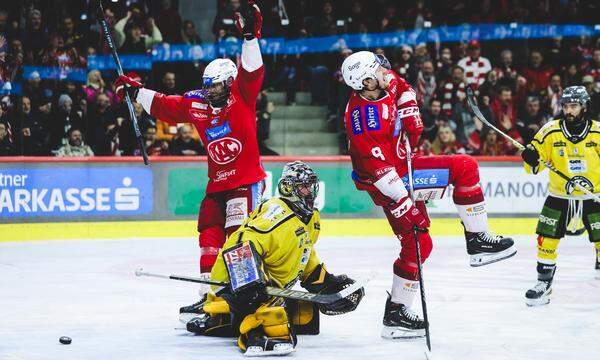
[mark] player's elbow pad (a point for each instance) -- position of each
(391, 185)
(145, 98)
(251, 57)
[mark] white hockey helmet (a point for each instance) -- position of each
(219, 70)
(358, 67)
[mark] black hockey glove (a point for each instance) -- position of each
(249, 21)
(322, 282)
(246, 301)
(531, 156)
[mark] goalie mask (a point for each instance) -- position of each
(217, 79)
(299, 185)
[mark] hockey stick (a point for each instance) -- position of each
(418, 248)
(518, 145)
(269, 290)
(113, 50)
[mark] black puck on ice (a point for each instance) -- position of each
(65, 340)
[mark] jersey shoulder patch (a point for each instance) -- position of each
(547, 129)
(271, 215)
(195, 94)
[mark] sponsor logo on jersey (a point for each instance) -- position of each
(356, 119)
(373, 122)
(591, 144)
(214, 121)
(571, 185)
(385, 111)
(197, 105)
(577, 165)
(548, 220)
(198, 114)
(194, 94)
(218, 132)
(299, 231)
(559, 144)
(595, 225)
(317, 226)
(224, 150)
(224, 174)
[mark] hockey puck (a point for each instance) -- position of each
(65, 340)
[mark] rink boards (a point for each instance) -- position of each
(49, 198)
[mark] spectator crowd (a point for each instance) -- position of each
(518, 82)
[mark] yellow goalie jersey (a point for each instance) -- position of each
(575, 159)
(282, 240)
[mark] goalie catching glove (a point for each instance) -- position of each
(322, 282)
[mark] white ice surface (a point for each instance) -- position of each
(87, 290)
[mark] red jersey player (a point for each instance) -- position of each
(224, 113)
(381, 112)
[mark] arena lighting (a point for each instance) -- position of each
(83, 16)
(597, 27)
(427, 24)
(513, 25)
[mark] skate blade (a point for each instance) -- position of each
(278, 350)
(395, 332)
(544, 300)
(487, 258)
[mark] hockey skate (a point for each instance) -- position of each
(486, 247)
(539, 294)
(186, 313)
(257, 344)
(400, 322)
(597, 268)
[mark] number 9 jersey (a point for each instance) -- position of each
(374, 129)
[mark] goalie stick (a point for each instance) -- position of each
(518, 145)
(269, 290)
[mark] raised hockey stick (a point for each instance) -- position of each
(269, 290)
(518, 145)
(113, 50)
(418, 248)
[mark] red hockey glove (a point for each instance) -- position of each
(126, 83)
(409, 216)
(249, 21)
(408, 112)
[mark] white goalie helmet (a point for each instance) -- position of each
(358, 67)
(219, 70)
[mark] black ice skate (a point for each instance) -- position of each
(539, 294)
(257, 344)
(186, 313)
(486, 247)
(597, 267)
(399, 322)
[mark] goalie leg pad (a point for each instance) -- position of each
(304, 316)
(266, 332)
(214, 320)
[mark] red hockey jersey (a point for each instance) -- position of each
(375, 129)
(228, 134)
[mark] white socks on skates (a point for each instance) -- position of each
(404, 291)
(473, 216)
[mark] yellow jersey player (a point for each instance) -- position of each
(572, 144)
(275, 247)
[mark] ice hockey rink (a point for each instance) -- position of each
(87, 290)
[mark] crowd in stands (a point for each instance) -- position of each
(518, 82)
